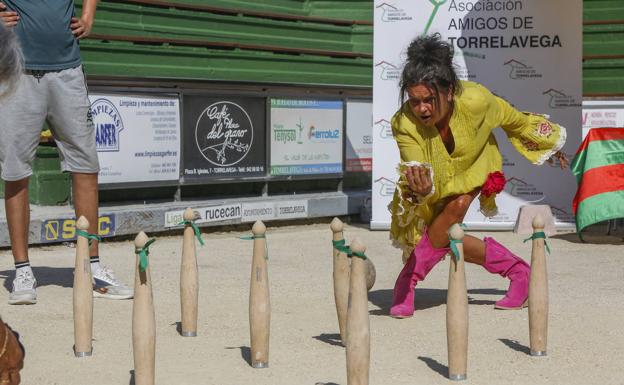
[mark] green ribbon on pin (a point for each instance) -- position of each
(539, 235)
(143, 253)
(90, 237)
(455, 242)
(266, 243)
(357, 254)
(454, 248)
(195, 229)
(342, 246)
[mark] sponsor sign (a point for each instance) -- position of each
(274, 210)
(108, 124)
(383, 129)
(528, 192)
(246, 212)
(293, 209)
(384, 187)
(220, 213)
(390, 12)
(306, 137)
(559, 99)
(206, 214)
(387, 71)
(519, 70)
(173, 218)
(514, 48)
(224, 137)
(258, 211)
(64, 229)
(602, 113)
(359, 151)
(143, 131)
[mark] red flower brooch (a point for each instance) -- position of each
(494, 184)
(544, 129)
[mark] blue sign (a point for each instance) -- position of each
(64, 229)
(108, 125)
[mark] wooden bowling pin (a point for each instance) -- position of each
(358, 327)
(341, 279)
(143, 321)
(259, 304)
(538, 293)
(457, 311)
(371, 274)
(189, 282)
(83, 294)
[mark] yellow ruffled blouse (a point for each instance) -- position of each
(477, 112)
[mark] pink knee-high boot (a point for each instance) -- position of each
(501, 261)
(419, 264)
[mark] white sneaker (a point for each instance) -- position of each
(105, 285)
(24, 289)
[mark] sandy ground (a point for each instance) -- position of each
(585, 344)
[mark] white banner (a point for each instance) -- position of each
(359, 152)
(246, 212)
(263, 211)
(602, 114)
(528, 52)
(306, 137)
(206, 214)
(258, 211)
(137, 137)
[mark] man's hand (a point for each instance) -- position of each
(9, 18)
(81, 28)
(419, 180)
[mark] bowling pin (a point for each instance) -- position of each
(143, 321)
(83, 294)
(538, 292)
(189, 282)
(457, 311)
(259, 303)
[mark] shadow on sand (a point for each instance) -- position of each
(46, 276)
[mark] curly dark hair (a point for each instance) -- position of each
(429, 62)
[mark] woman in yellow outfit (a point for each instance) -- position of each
(449, 156)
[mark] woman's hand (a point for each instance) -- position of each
(418, 180)
(561, 157)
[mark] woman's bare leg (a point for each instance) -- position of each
(503, 262)
(454, 212)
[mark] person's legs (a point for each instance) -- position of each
(85, 192)
(21, 118)
(430, 250)
(453, 212)
(18, 217)
(72, 126)
(422, 260)
(488, 253)
(500, 260)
